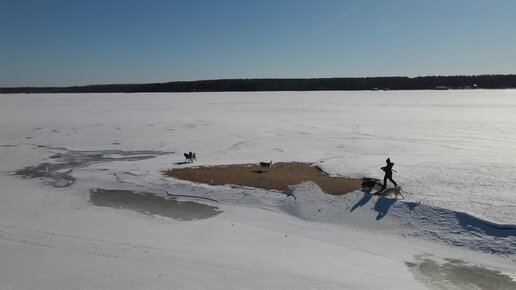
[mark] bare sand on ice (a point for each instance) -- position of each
(280, 177)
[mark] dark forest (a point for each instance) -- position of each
(299, 84)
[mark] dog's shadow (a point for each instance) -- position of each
(182, 163)
(382, 206)
(259, 171)
(365, 198)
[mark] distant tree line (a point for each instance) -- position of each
(311, 84)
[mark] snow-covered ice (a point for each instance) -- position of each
(454, 156)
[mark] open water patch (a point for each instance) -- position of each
(457, 274)
(151, 204)
(58, 173)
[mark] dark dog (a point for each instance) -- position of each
(368, 183)
(190, 157)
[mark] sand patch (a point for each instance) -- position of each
(280, 177)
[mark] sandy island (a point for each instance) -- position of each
(280, 177)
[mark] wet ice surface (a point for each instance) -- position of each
(457, 274)
(149, 203)
(59, 174)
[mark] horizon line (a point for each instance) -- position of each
(254, 78)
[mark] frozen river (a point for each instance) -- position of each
(82, 190)
(453, 149)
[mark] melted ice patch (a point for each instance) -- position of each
(149, 203)
(457, 274)
(59, 174)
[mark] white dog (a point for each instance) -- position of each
(392, 191)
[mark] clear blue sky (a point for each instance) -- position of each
(69, 42)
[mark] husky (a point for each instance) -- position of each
(392, 191)
(190, 157)
(266, 166)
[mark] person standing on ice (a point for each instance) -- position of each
(388, 174)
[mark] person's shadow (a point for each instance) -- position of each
(382, 206)
(364, 200)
